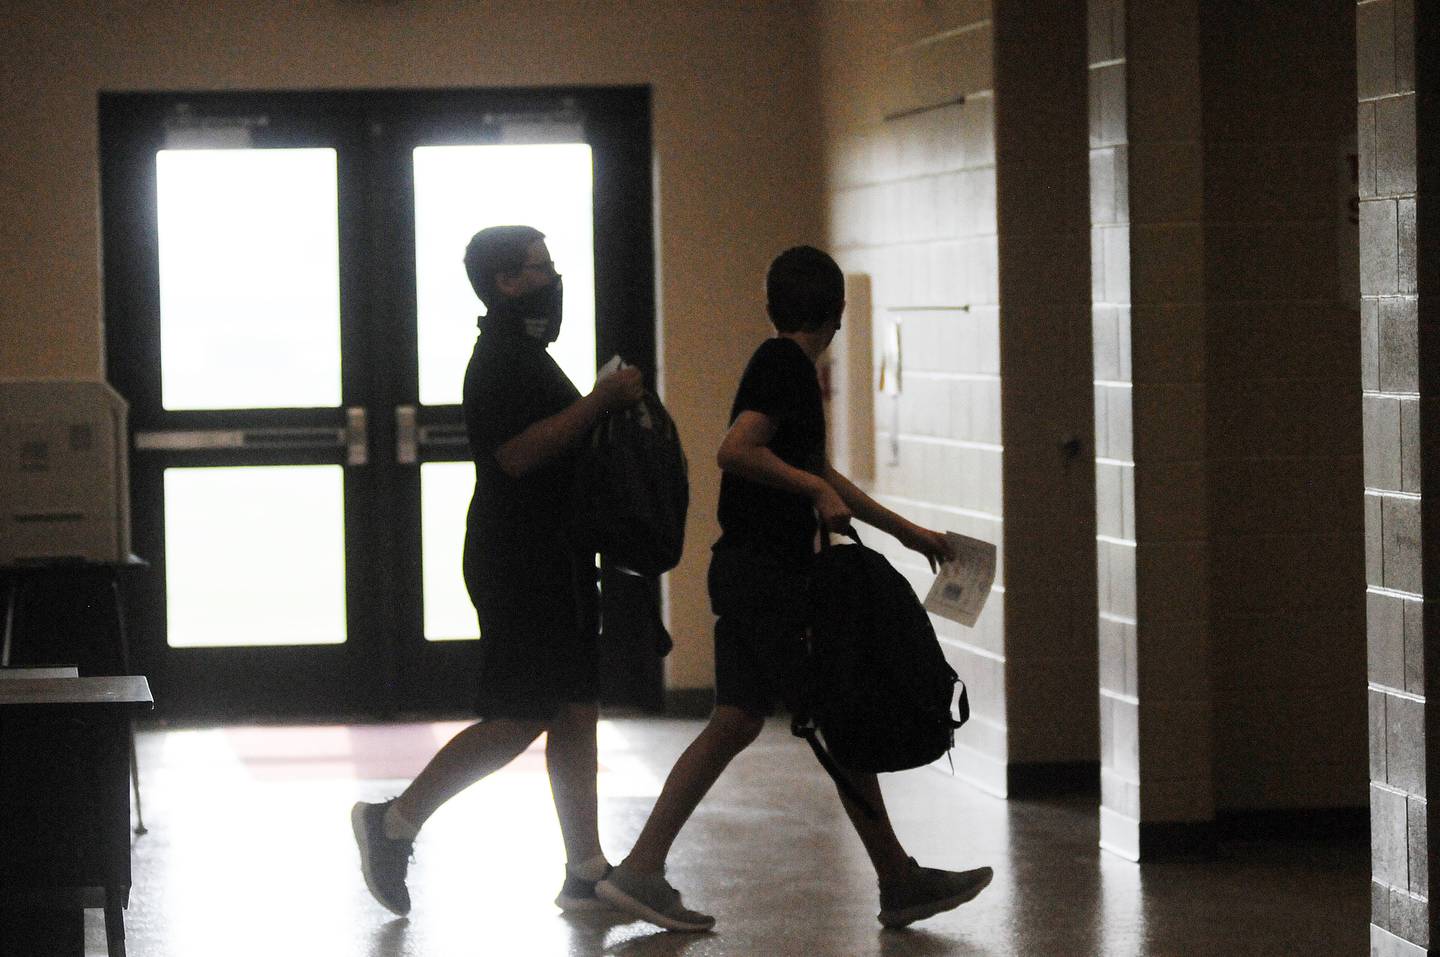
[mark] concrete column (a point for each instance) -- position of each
(1147, 264)
(1042, 188)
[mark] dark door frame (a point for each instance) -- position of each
(385, 666)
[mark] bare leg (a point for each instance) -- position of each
(483, 747)
(729, 732)
(886, 854)
(571, 761)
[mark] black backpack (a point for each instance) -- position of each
(877, 688)
(632, 490)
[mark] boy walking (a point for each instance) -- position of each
(534, 593)
(776, 481)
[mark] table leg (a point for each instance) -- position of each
(124, 640)
(140, 827)
(114, 922)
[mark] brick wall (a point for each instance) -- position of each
(1395, 470)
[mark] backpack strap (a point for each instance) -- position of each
(803, 728)
(848, 531)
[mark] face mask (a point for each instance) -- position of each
(541, 311)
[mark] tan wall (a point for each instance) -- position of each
(1046, 366)
(1283, 443)
(912, 207)
(733, 135)
(1149, 338)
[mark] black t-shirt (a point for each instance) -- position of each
(781, 383)
(515, 526)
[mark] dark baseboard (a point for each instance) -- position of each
(1162, 840)
(1168, 839)
(689, 702)
(1305, 824)
(1046, 779)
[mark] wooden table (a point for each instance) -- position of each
(65, 809)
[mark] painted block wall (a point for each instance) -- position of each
(1399, 620)
(1147, 260)
(1226, 418)
(1115, 541)
(910, 186)
(1282, 434)
(1046, 368)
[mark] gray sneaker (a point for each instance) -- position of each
(383, 861)
(926, 891)
(650, 897)
(577, 895)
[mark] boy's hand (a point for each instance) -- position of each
(835, 515)
(927, 542)
(620, 389)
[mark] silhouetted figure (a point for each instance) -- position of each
(534, 593)
(776, 481)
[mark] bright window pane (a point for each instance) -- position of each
(249, 278)
(445, 489)
(255, 556)
(460, 190)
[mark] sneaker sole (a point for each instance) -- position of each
(901, 918)
(637, 908)
(357, 825)
(583, 905)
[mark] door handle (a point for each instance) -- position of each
(357, 436)
(407, 442)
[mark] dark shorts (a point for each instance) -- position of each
(762, 609)
(537, 648)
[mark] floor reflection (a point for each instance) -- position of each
(249, 852)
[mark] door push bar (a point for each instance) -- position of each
(411, 437)
(354, 438)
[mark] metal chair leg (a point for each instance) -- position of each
(11, 598)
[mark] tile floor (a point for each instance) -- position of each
(250, 853)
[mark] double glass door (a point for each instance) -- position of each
(289, 318)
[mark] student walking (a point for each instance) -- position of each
(776, 481)
(534, 593)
